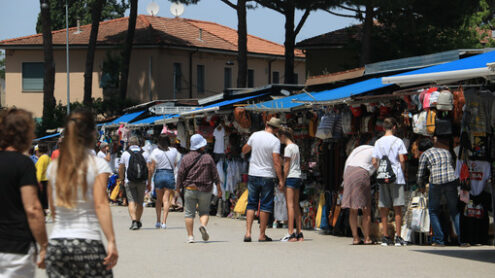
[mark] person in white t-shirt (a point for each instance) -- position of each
(293, 182)
(164, 161)
(264, 167)
(79, 204)
(104, 152)
(392, 195)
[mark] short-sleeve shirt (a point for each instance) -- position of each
(124, 159)
(16, 171)
(292, 151)
(263, 146)
(392, 147)
(361, 157)
(80, 221)
(164, 158)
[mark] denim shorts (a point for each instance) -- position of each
(261, 190)
(294, 183)
(164, 179)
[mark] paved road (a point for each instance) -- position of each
(164, 253)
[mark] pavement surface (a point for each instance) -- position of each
(151, 252)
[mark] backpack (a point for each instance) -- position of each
(138, 168)
(385, 174)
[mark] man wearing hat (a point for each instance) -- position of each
(264, 167)
(197, 174)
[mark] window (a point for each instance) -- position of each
(177, 78)
(201, 79)
(227, 73)
(32, 76)
(276, 77)
(250, 81)
(296, 78)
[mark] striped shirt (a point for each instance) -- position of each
(439, 163)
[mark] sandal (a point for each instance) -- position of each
(358, 243)
(247, 239)
(300, 237)
(369, 243)
(267, 239)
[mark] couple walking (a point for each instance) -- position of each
(264, 167)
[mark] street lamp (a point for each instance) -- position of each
(67, 53)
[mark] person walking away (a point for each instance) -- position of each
(293, 182)
(163, 164)
(79, 203)
(22, 223)
(196, 176)
(391, 194)
(264, 167)
(443, 182)
(41, 167)
(357, 188)
(134, 170)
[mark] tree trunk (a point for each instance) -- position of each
(90, 55)
(49, 68)
(366, 35)
(290, 41)
(242, 44)
(126, 53)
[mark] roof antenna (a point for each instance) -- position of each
(78, 31)
(177, 9)
(153, 8)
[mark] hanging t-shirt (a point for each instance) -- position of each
(219, 135)
(80, 221)
(17, 171)
(164, 158)
(263, 146)
(292, 151)
(479, 172)
(392, 147)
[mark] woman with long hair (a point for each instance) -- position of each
(163, 164)
(79, 204)
(293, 182)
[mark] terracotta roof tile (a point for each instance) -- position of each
(153, 30)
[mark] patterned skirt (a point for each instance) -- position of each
(76, 258)
(357, 188)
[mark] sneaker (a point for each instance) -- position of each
(157, 225)
(436, 244)
(386, 241)
(286, 238)
(300, 237)
(163, 226)
(134, 226)
(139, 224)
(400, 241)
(190, 239)
(204, 233)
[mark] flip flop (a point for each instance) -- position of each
(247, 239)
(358, 243)
(369, 243)
(267, 239)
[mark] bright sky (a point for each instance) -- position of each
(18, 18)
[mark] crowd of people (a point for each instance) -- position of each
(71, 188)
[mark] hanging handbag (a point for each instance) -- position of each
(443, 126)
(430, 121)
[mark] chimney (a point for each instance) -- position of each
(78, 31)
(200, 35)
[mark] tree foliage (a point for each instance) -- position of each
(2, 65)
(81, 9)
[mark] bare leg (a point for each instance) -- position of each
(398, 220)
(353, 214)
(249, 222)
(289, 196)
(384, 215)
(297, 211)
(132, 210)
(158, 204)
(263, 222)
(366, 225)
(166, 204)
(139, 212)
(204, 220)
(189, 226)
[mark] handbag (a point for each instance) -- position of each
(443, 126)
(420, 218)
(430, 122)
(115, 192)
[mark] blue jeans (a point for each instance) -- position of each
(435, 196)
(294, 183)
(164, 179)
(261, 190)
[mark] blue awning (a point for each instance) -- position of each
(125, 118)
(220, 104)
(466, 68)
(47, 137)
(150, 120)
(281, 104)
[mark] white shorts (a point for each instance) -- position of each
(18, 265)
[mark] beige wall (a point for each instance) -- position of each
(139, 83)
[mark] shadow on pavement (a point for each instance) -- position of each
(487, 256)
(208, 242)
